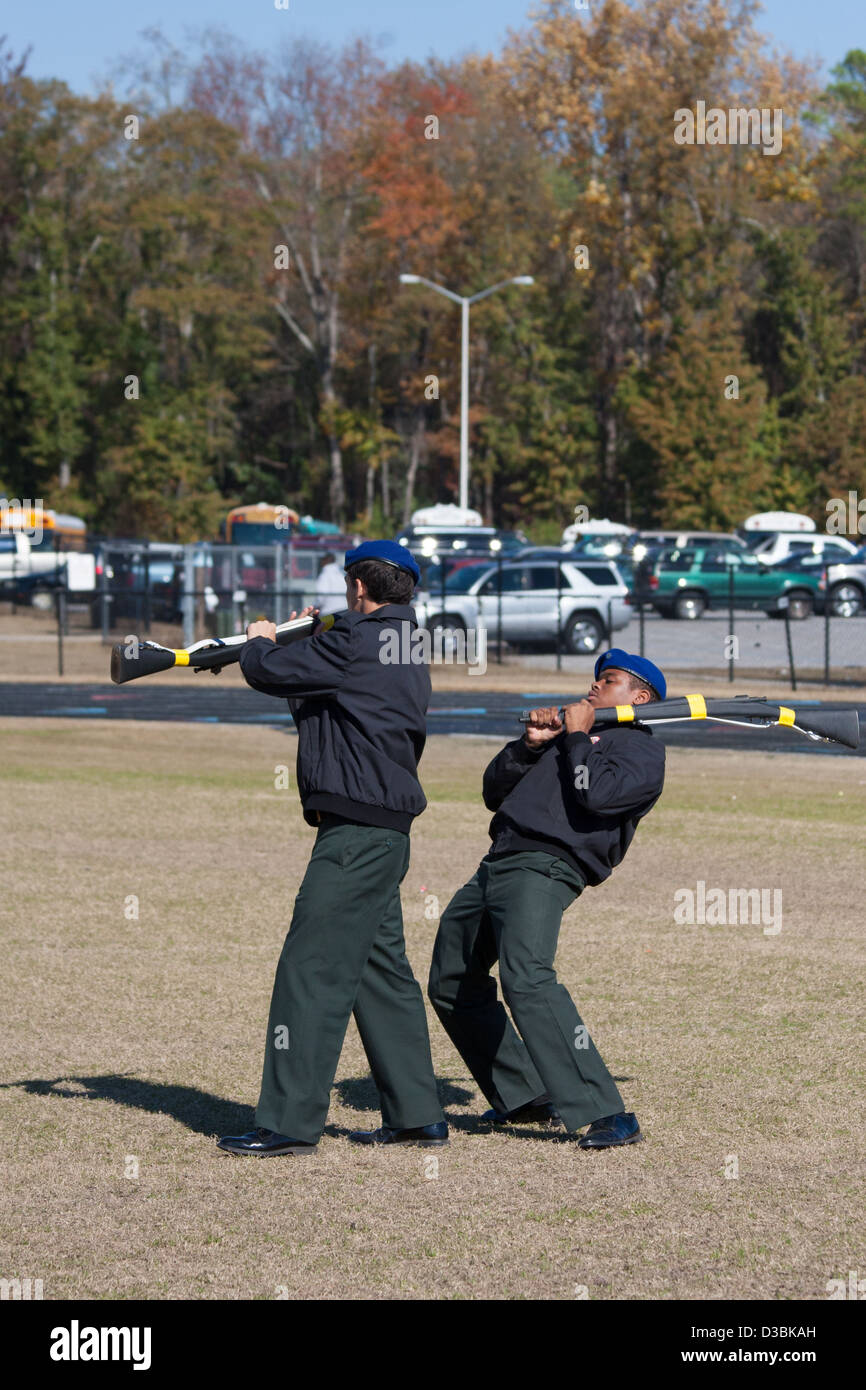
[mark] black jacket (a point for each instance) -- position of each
(361, 720)
(544, 802)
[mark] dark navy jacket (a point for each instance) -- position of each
(545, 802)
(361, 720)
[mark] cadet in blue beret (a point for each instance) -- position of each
(361, 724)
(567, 802)
(388, 553)
(639, 666)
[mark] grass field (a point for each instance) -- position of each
(128, 1044)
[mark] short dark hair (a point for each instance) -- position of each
(635, 683)
(384, 583)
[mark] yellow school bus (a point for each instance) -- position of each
(47, 529)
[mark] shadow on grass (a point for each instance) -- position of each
(200, 1111)
(360, 1092)
(204, 1113)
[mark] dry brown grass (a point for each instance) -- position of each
(144, 1038)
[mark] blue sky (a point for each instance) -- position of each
(79, 40)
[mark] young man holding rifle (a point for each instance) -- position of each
(361, 730)
(567, 804)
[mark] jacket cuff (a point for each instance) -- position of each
(522, 753)
(578, 739)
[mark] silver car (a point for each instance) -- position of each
(843, 590)
(846, 585)
(591, 597)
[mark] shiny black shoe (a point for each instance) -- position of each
(535, 1112)
(262, 1142)
(611, 1131)
(424, 1137)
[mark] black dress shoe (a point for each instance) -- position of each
(611, 1131)
(264, 1141)
(535, 1112)
(424, 1137)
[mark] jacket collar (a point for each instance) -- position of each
(393, 612)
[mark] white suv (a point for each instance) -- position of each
(782, 545)
(592, 601)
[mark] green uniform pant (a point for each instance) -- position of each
(511, 911)
(345, 953)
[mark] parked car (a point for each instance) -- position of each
(845, 589)
(683, 583)
(30, 570)
(784, 545)
(474, 540)
(590, 593)
(616, 550)
(846, 585)
(140, 581)
(682, 538)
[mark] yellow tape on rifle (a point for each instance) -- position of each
(181, 658)
(625, 713)
(698, 706)
(786, 716)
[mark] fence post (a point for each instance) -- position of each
(558, 616)
(60, 605)
(188, 600)
(499, 607)
(103, 598)
(790, 645)
(278, 599)
(146, 614)
(731, 658)
(826, 625)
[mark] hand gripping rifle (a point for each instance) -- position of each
(134, 658)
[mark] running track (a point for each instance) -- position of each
(488, 713)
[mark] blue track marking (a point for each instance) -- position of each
(76, 710)
(443, 710)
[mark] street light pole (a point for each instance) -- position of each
(464, 406)
(465, 301)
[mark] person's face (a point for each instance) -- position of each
(613, 687)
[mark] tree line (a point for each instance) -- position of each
(200, 300)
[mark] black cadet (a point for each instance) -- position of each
(590, 826)
(565, 815)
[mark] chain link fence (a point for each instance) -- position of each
(178, 595)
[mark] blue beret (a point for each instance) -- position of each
(389, 552)
(635, 665)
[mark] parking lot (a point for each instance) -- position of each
(761, 643)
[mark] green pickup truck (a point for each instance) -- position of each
(683, 583)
